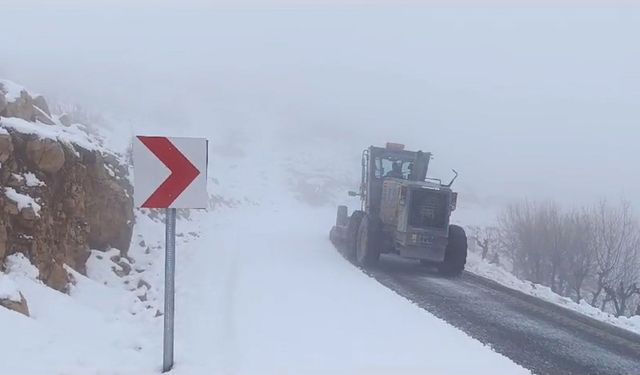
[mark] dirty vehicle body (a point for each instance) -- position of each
(402, 212)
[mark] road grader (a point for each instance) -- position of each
(402, 212)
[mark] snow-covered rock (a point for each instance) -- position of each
(19, 306)
(8, 289)
(61, 192)
(11, 90)
(10, 296)
(17, 102)
(22, 201)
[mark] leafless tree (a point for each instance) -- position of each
(624, 283)
(614, 228)
(515, 232)
(529, 232)
(486, 238)
(554, 244)
(592, 251)
(580, 251)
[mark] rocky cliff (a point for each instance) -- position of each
(61, 192)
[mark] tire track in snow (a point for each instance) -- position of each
(206, 306)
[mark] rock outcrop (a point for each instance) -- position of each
(3, 102)
(46, 154)
(25, 107)
(22, 107)
(18, 306)
(58, 199)
(6, 147)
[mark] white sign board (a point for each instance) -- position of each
(170, 172)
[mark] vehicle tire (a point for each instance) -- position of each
(368, 244)
(352, 235)
(333, 236)
(455, 256)
(342, 218)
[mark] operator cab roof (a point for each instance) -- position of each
(396, 151)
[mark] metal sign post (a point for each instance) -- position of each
(169, 289)
(171, 173)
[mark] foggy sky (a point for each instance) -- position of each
(527, 101)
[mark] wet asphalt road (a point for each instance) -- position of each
(537, 336)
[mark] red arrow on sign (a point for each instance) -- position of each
(183, 172)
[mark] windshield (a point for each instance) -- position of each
(392, 167)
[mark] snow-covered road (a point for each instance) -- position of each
(264, 292)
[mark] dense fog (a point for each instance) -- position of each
(538, 102)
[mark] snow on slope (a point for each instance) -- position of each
(476, 265)
(8, 288)
(77, 334)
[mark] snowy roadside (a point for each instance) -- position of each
(259, 290)
(72, 334)
(480, 267)
(109, 323)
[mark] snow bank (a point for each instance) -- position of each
(496, 273)
(8, 289)
(22, 200)
(78, 334)
(19, 266)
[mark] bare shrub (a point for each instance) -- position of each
(592, 252)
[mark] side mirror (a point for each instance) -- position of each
(353, 193)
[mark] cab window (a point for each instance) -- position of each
(384, 165)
